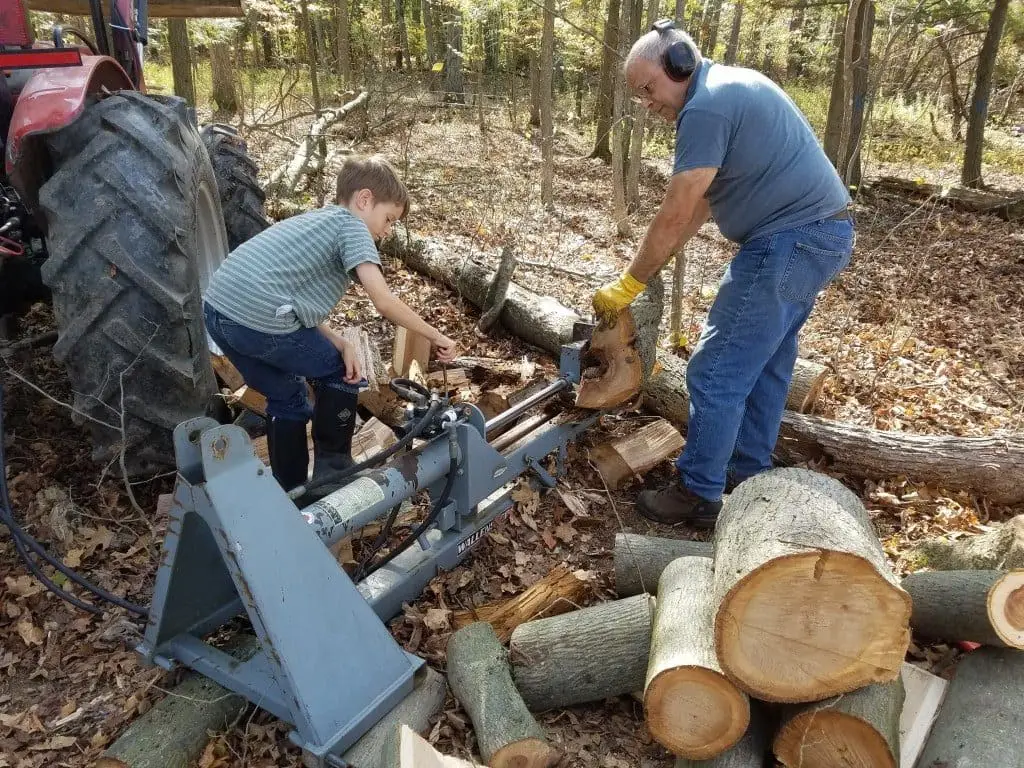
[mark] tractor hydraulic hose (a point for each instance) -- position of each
(23, 542)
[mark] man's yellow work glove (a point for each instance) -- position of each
(616, 296)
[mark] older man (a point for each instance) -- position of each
(747, 157)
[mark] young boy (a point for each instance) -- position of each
(267, 304)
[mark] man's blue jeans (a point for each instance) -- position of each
(278, 365)
(739, 374)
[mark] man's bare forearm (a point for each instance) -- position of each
(663, 237)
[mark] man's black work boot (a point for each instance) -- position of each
(675, 504)
(289, 455)
(334, 422)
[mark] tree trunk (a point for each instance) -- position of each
(985, 607)
(971, 175)
(586, 655)
(709, 27)
(314, 79)
(633, 455)
(796, 52)
(506, 733)
(836, 101)
(636, 144)
(751, 750)
(402, 59)
(454, 84)
(809, 607)
(639, 560)
(181, 59)
(619, 132)
(343, 33)
(547, 128)
(387, 33)
(859, 729)
(861, 70)
(690, 707)
(680, 13)
(429, 32)
(605, 102)
(535, 89)
(959, 111)
(1000, 549)
(734, 34)
(224, 94)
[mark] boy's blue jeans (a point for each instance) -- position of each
(739, 374)
(278, 365)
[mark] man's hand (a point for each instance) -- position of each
(447, 349)
(616, 296)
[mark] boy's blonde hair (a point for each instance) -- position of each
(375, 174)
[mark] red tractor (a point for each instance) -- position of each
(115, 205)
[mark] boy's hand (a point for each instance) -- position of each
(353, 369)
(447, 349)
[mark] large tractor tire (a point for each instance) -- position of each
(134, 232)
(241, 198)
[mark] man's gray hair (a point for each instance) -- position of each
(652, 47)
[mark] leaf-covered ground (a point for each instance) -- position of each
(923, 334)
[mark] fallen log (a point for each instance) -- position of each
(808, 606)
(560, 591)
(985, 607)
(506, 733)
(751, 751)
(631, 456)
(1006, 207)
(639, 560)
(690, 707)
(859, 729)
(1001, 549)
(587, 655)
(979, 721)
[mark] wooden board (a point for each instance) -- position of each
(409, 346)
(925, 693)
(157, 8)
(251, 399)
(227, 372)
(416, 752)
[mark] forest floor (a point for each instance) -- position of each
(924, 333)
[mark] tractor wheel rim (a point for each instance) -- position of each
(211, 239)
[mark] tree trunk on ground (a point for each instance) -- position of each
(586, 655)
(690, 707)
(809, 607)
(985, 607)
(751, 750)
(454, 83)
(547, 128)
(640, 560)
(1006, 207)
(181, 59)
(971, 175)
(979, 722)
(860, 729)
(1001, 549)
(343, 34)
(224, 94)
(733, 46)
(605, 102)
(379, 747)
(506, 733)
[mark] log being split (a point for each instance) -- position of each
(979, 721)
(860, 729)
(639, 560)
(983, 606)
(808, 607)
(619, 373)
(691, 708)
(641, 449)
(587, 655)
(506, 733)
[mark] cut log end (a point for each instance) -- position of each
(695, 712)
(1006, 609)
(811, 625)
(620, 371)
(826, 739)
(528, 753)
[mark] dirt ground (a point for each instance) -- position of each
(923, 333)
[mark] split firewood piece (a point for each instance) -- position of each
(416, 752)
(979, 721)
(631, 456)
(251, 399)
(986, 607)
(409, 346)
(227, 372)
(691, 708)
(749, 752)
(559, 592)
(925, 693)
(1001, 549)
(808, 606)
(368, 355)
(639, 560)
(506, 733)
(497, 291)
(372, 438)
(859, 729)
(612, 350)
(586, 655)
(805, 386)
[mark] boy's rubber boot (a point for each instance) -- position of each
(334, 423)
(289, 454)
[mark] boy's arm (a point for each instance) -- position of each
(397, 311)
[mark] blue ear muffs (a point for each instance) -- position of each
(678, 61)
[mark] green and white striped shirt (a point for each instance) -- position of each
(292, 274)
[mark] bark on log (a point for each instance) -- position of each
(639, 560)
(860, 729)
(809, 607)
(750, 752)
(506, 733)
(1000, 550)
(631, 456)
(985, 607)
(587, 655)
(379, 746)
(691, 708)
(986, 465)
(1008, 208)
(979, 722)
